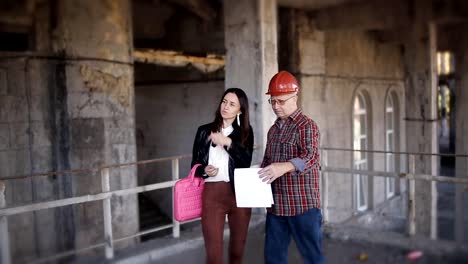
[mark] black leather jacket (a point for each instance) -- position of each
(240, 156)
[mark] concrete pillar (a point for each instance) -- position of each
(250, 39)
(461, 127)
(306, 58)
(451, 85)
(5, 255)
(17, 131)
(421, 111)
(93, 116)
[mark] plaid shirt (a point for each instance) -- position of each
(298, 191)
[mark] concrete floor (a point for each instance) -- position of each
(342, 244)
(337, 251)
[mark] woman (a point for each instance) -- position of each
(220, 147)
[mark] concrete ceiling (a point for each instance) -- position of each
(15, 14)
(313, 4)
(201, 8)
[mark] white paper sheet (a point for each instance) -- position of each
(250, 190)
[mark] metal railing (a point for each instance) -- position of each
(410, 176)
(106, 194)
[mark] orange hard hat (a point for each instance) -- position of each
(282, 83)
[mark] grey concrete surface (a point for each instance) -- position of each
(342, 244)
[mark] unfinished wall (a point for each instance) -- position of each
(69, 107)
(175, 25)
(251, 60)
(173, 100)
(168, 116)
(461, 126)
(25, 148)
(100, 102)
(333, 67)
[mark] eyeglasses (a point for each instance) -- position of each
(279, 101)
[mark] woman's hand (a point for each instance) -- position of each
(211, 171)
(220, 139)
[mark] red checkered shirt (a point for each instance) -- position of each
(298, 138)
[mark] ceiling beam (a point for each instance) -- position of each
(17, 13)
(449, 11)
(201, 8)
(210, 63)
(369, 15)
(388, 36)
(312, 5)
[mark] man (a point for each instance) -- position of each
(291, 165)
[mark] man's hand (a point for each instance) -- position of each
(275, 170)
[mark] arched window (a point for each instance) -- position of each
(390, 144)
(392, 124)
(360, 142)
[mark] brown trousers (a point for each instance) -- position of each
(219, 200)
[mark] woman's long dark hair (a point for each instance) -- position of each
(244, 116)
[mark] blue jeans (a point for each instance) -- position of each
(304, 228)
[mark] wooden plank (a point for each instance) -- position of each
(176, 59)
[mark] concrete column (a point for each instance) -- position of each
(93, 115)
(306, 58)
(250, 39)
(451, 85)
(461, 127)
(5, 255)
(421, 112)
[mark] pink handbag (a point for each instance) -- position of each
(188, 197)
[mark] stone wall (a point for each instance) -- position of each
(69, 106)
(168, 116)
(333, 66)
